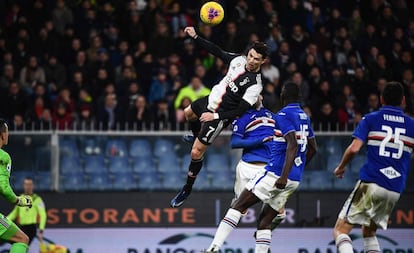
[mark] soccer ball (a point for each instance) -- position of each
(211, 13)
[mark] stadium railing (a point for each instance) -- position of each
(74, 160)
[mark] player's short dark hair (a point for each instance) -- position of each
(291, 91)
(3, 125)
(261, 48)
(393, 93)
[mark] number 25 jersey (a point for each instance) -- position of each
(389, 135)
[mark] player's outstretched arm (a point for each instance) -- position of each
(349, 153)
(238, 141)
(210, 46)
(291, 151)
(311, 149)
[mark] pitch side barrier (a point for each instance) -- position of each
(203, 209)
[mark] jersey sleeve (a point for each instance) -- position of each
(41, 210)
(362, 130)
(252, 93)
(239, 126)
(285, 123)
(216, 50)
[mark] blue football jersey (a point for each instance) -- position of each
(255, 125)
(290, 119)
(389, 135)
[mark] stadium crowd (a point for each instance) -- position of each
(89, 64)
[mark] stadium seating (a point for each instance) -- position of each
(116, 147)
(99, 181)
(173, 181)
(345, 183)
(357, 163)
(163, 147)
(140, 148)
(149, 181)
(119, 164)
(203, 181)
(70, 165)
(43, 181)
(217, 162)
(68, 148)
(123, 181)
(318, 180)
(222, 180)
(142, 165)
(95, 164)
(169, 163)
(91, 146)
(43, 159)
(74, 182)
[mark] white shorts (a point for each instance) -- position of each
(262, 185)
(369, 202)
(244, 173)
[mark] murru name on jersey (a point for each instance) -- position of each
(393, 118)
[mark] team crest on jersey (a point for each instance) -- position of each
(268, 114)
(246, 80)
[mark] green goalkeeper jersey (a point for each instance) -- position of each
(5, 170)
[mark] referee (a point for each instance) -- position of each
(28, 218)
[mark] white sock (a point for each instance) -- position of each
(371, 245)
(263, 240)
(344, 244)
(228, 224)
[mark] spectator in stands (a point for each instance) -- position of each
(381, 69)
(270, 100)
(109, 115)
(80, 65)
(348, 116)
(77, 85)
(161, 43)
(139, 116)
(31, 74)
(13, 102)
(55, 74)
(63, 110)
(164, 116)
(303, 86)
(193, 91)
(128, 62)
(271, 73)
(35, 111)
(7, 77)
(372, 105)
(160, 87)
(61, 16)
(62, 117)
(85, 119)
(325, 119)
(17, 123)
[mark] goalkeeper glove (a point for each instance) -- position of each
(24, 201)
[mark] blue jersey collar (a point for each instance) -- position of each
(392, 108)
(293, 105)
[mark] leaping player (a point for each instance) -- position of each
(230, 98)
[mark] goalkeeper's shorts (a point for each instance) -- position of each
(7, 228)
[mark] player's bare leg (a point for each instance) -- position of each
(197, 152)
(20, 242)
(195, 125)
(341, 234)
(264, 233)
(232, 218)
(370, 239)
